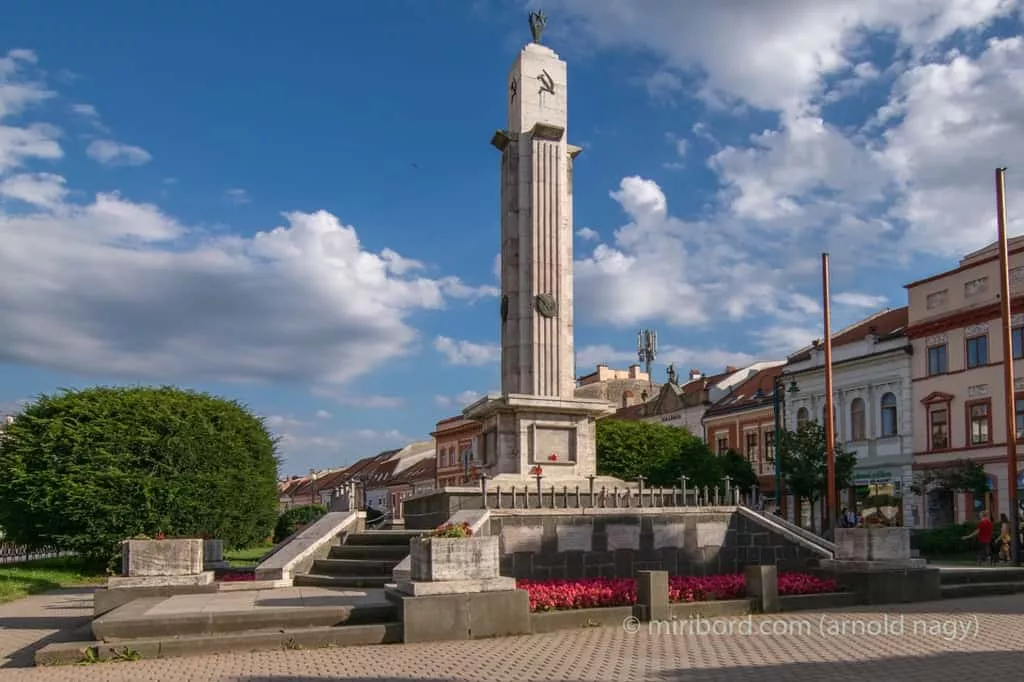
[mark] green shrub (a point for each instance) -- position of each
(295, 518)
(84, 470)
(942, 541)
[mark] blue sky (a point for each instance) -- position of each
(298, 209)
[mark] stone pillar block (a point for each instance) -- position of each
(873, 544)
(151, 558)
(213, 551)
(443, 559)
(652, 595)
(763, 587)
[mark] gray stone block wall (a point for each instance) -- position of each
(548, 545)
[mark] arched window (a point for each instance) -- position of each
(802, 416)
(889, 414)
(858, 429)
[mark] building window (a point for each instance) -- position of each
(769, 445)
(938, 426)
(980, 419)
(1019, 412)
(802, 417)
(937, 360)
(889, 413)
(752, 446)
(1017, 335)
(977, 351)
(723, 444)
(858, 429)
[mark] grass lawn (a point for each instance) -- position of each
(35, 577)
(246, 558)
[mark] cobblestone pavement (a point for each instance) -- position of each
(984, 636)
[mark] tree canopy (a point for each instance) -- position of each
(84, 470)
(963, 476)
(803, 462)
(663, 454)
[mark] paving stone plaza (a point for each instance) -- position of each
(949, 640)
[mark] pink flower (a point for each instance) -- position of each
(550, 595)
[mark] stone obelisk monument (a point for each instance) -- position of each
(537, 421)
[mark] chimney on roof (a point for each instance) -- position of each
(872, 336)
(695, 374)
(729, 369)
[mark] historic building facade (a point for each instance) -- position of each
(744, 421)
(957, 370)
(455, 440)
(872, 404)
(618, 387)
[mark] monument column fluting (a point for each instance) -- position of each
(537, 420)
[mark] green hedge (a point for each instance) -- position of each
(295, 518)
(84, 470)
(942, 541)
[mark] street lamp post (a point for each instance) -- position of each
(778, 405)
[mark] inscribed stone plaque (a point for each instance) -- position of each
(552, 444)
(623, 536)
(575, 538)
(669, 535)
(711, 534)
(521, 539)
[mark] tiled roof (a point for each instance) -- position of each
(887, 324)
(755, 392)
(425, 470)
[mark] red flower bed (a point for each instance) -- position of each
(551, 595)
(236, 576)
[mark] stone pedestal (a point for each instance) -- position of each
(878, 565)
(457, 593)
(444, 566)
(161, 563)
(873, 544)
(141, 558)
(521, 432)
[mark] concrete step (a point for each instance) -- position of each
(383, 537)
(133, 621)
(353, 567)
(394, 552)
(320, 580)
(980, 589)
(956, 575)
(196, 645)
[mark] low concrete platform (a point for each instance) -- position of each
(69, 653)
(248, 610)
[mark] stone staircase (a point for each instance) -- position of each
(362, 560)
(979, 581)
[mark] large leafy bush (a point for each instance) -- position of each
(83, 470)
(295, 518)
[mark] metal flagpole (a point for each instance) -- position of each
(829, 416)
(1008, 378)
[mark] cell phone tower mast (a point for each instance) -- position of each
(647, 350)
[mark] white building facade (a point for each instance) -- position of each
(872, 402)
